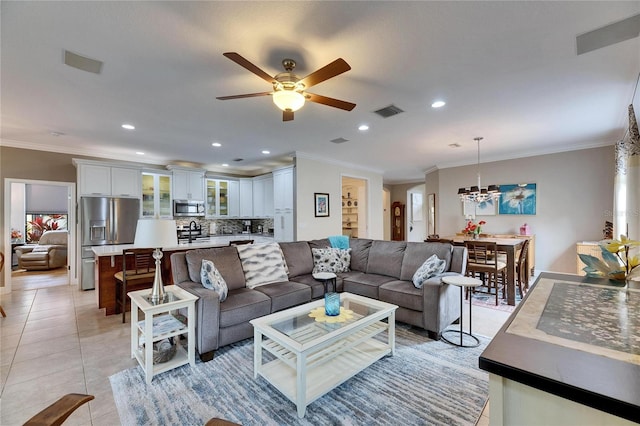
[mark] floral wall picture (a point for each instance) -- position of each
(518, 199)
(484, 208)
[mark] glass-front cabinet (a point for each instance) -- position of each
(156, 195)
(217, 198)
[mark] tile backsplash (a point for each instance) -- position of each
(225, 226)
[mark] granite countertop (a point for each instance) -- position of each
(577, 338)
(211, 241)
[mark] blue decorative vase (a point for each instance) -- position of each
(332, 304)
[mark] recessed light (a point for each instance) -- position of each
(57, 134)
(216, 144)
(139, 152)
(266, 152)
(129, 126)
(438, 104)
(363, 127)
(225, 165)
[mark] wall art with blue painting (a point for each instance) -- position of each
(518, 199)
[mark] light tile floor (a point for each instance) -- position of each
(55, 341)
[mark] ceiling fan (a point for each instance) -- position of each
(289, 90)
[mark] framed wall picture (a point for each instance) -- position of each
(321, 204)
(518, 199)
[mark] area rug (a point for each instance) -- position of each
(426, 382)
(489, 301)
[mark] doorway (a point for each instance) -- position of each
(355, 207)
(15, 213)
(416, 224)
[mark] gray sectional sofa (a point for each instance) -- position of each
(379, 269)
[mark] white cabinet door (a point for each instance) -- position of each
(258, 197)
(283, 189)
(283, 226)
(188, 185)
(126, 182)
(95, 180)
(268, 197)
(246, 197)
(196, 186)
(234, 198)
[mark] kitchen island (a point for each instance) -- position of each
(108, 260)
(569, 354)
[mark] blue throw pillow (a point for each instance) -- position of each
(430, 268)
(212, 279)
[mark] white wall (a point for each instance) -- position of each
(574, 198)
(313, 175)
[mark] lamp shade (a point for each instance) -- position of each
(156, 233)
(288, 100)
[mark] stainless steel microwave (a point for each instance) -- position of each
(188, 208)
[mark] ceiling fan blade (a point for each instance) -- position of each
(324, 100)
(328, 71)
(287, 115)
(248, 95)
(235, 57)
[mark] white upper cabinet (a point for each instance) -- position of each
(126, 182)
(246, 197)
(100, 179)
(234, 198)
(94, 180)
(263, 196)
(283, 189)
(188, 185)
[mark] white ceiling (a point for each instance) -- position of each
(508, 71)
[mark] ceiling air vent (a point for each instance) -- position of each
(82, 62)
(339, 140)
(389, 111)
(238, 159)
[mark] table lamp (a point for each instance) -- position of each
(156, 233)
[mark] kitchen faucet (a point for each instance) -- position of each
(193, 226)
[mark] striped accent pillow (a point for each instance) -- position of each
(262, 264)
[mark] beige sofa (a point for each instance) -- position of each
(50, 252)
(379, 269)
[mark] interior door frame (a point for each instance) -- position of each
(71, 227)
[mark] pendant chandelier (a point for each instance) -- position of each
(476, 193)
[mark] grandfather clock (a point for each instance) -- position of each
(397, 221)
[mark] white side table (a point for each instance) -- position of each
(159, 323)
(462, 282)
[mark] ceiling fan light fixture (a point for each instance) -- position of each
(288, 100)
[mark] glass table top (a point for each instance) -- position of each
(312, 323)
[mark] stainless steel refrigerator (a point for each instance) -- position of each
(105, 221)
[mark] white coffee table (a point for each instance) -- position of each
(162, 324)
(462, 282)
(310, 358)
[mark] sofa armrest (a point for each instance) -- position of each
(459, 258)
(20, 250)
(207, 316)
(444, 299)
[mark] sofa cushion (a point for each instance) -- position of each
(430, 268)
(285, 295)
(401, 293)
(331, 260)
(416, 253)
(242, 305)
(365, 284)
(298, 257)
(212, 279)
(226, 260)
(322, 243)
(385, 258)
(262, 264)
(359, 253)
